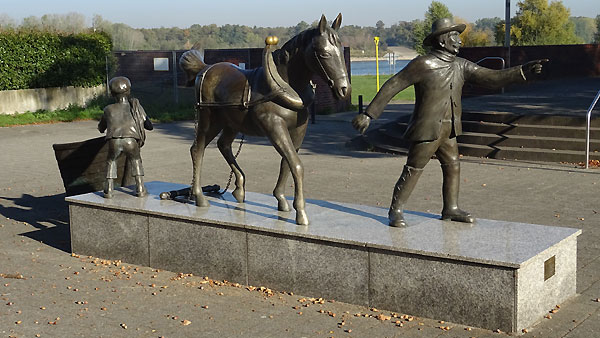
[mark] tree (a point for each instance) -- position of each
(488, 26)
(380, 29)
(400, 34)
(359, 39)
(585, 28)
(70, 23)
(597, 35)
(6, 22)
(436, 10)
(31, 23)
(301, 26)
(487, 23)
(472, 36)
(540, 23)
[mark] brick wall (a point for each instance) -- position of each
(138, 66)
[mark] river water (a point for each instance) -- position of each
(369, 67)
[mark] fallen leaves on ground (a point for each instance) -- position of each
(591, 164)
(12, 275)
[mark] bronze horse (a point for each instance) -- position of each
(270, 101)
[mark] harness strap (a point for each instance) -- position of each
(330, 82)
(245, 103)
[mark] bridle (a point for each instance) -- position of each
(329, 80)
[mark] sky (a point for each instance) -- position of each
(267, 13)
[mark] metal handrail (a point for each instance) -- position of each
(587, 132)
(494, 58)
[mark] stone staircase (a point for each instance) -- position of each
(505, 135)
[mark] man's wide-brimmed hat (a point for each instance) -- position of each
(441, 26)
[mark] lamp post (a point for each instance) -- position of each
(376, 39)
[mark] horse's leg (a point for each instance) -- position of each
(205, 132)
(280, 138)
(224, 144)
(297, 136)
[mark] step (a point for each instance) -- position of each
(493, 274)
(527, 154)
(381, 142)
(533, 119)
(396, 130)
(529, 130)
(521, 141)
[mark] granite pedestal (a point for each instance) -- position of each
(491, 274)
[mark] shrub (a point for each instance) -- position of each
(43, 59)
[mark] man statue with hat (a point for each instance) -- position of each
(124, 123)
(438, 78)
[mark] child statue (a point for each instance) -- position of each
(124, 123)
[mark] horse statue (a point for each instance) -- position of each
(271, 101)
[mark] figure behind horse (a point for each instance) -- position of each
(270, 101)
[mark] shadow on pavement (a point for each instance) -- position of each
(49, 214)
(180, 130)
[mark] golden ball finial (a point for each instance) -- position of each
(272, 40)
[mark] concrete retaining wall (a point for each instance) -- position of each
(24, 100)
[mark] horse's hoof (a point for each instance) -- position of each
(301, 218)
(202, 202)
(141, 192)
(239, 195)
(282, 205)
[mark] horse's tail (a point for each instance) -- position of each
(192, 64)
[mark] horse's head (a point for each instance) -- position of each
(325, 55)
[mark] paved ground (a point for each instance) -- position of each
(45, 292)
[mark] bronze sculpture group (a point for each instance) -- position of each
(273, 101)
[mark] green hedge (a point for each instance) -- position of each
(40, 59)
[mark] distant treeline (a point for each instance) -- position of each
(358, 38)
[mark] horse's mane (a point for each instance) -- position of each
(294, 44)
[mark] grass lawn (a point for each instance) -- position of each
(366, 85)
(93, 112)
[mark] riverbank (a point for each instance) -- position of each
(400, 53)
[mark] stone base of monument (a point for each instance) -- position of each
(491, 274)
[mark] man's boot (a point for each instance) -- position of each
(109, 187)
(450, 187)
(404, 187)
(140, 189)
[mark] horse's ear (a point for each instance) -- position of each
(337, 22)
(322, 23)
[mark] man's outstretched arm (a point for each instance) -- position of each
(390, 88)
